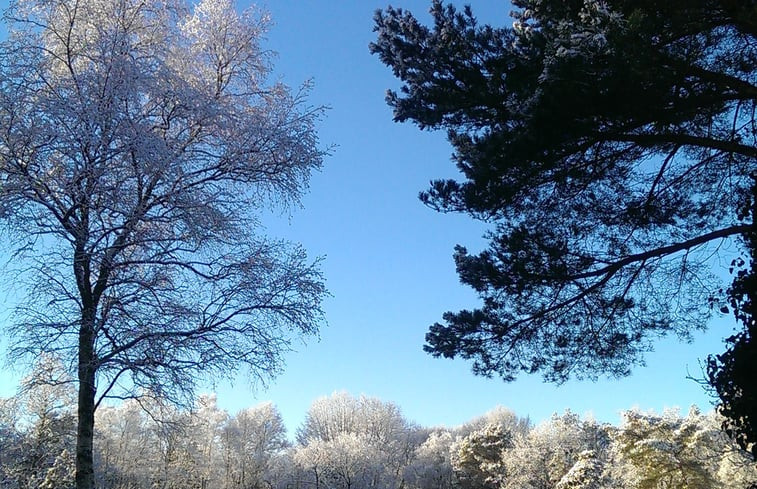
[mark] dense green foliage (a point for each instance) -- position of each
(609, 144)
(733, 374)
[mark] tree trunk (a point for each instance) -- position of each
(85, 471)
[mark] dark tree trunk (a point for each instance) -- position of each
(85, 473)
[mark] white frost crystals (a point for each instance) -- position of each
(139, 144)
(227, 42)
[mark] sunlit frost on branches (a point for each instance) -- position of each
(140, 141)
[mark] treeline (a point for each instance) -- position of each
(348, 442)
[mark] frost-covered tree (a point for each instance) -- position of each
(609, 144)
(199, 454)
(431, 466)
(284, 473)
(127, 446)
(311, 461)
(139, 142)
(377, 424)
(736, 468)
(668, 450)
(10, 442)
(347, 461)
(500, 416)
(339, 413)
(38, 428)
(586, 473)
(556, 452)
(250, 440)
(142, 444)
(477, 459)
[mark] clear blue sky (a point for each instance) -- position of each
(388, 259)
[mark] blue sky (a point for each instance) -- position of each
(388, 259)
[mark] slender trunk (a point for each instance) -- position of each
(85, 472)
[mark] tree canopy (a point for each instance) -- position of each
(208, 447)
(139, 142)
(733, 374)
(609, 144)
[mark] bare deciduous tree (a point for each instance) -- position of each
(139, 140)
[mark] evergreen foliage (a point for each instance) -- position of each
(609, 144)
(733, 374)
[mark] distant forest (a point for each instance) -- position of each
(348, 442)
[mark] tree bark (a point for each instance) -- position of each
(85, 472)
